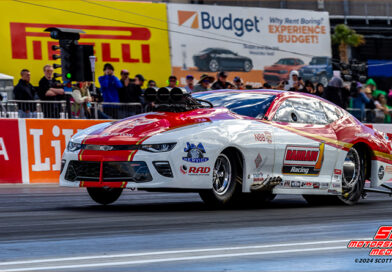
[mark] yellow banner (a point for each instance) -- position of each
(129, 35)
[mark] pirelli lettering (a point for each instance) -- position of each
(303, 160)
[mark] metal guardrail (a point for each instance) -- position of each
(58, 109)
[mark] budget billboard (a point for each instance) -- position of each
(129, 35)
(257, 44)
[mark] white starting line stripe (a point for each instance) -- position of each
(61, 261)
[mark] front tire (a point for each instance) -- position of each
(225, 186)
(247, 66)
(104, 196)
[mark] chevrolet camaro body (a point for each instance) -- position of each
(299, 140)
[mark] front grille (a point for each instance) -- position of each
(83, 170)
(111, 171)
(126, 171)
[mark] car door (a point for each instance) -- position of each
(304, 147)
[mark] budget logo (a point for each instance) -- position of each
(188, 18)
(103, 38)
(303, 160)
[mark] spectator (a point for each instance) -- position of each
(359, 100)
(110, 86)
(238, 83)
(319, 89)
(381, 103)
(267, 86)
(151, 84)
(82, 98)
(309, 87)
(25, 91)
(335, 92)
(189, 83)
(50, 89)
(294, 83)
(172, 81)
(204, 83)
(222, 82)
(373, 86)
(370, 106)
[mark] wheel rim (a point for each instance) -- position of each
(351, 171)
(248, 66)
(221, 175)
(214, 65)
(324, 81)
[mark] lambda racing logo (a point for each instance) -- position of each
(303, 160)
(229, 22)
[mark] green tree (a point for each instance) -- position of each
(344, 36)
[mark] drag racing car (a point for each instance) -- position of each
(231, 147)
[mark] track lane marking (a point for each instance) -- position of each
(173, 252)
(187, 258)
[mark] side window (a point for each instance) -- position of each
(303, 111)
(333, 113)
(286, 113)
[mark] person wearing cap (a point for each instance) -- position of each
(222, 82)
(151, 84)
(189, 83)
(204, 83)
(110, 86)
(172, 82)
(238, 85)
(370, 106)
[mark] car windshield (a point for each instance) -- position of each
(286, 62)
(318, 61)
(244, 103)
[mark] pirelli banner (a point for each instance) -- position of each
(257, 44)
(129, 35)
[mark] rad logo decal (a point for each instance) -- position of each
(195, 153)
(303, 160)
(195, 171)
(229, 22)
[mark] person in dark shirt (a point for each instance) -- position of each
(25, 91)
(336, 92)
(50, 90)
(129, 93)
(222, 82)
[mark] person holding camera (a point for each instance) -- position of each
(82, 100)
(50, 89)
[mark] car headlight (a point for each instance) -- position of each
(72, 147)
(158, 147)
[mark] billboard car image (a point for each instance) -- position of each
(281, 70)
(319, 70)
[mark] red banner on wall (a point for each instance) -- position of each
(10, 167)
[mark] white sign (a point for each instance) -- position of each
(247, 41)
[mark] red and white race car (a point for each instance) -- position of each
(231, 146)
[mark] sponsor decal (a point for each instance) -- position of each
(388, 169)
(316, 185)
(303, 160)
(195, 153)
(333, 192)
(380, 245)
(306, 185)
(116, 134)
(287, 184)
(258, 177)
(265, 136)
(195, 171)
(295, 184)
(381, 172)
(336, 184)
(324, 185)
(258, 160)
(337, 171)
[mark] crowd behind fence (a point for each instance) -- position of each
(110, 110)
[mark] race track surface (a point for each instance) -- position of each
(47, 228)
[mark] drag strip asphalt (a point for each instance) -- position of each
(47, 228)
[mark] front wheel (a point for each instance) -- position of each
(247, 66)
(214, 65)
(224, 184)
(104, 196)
